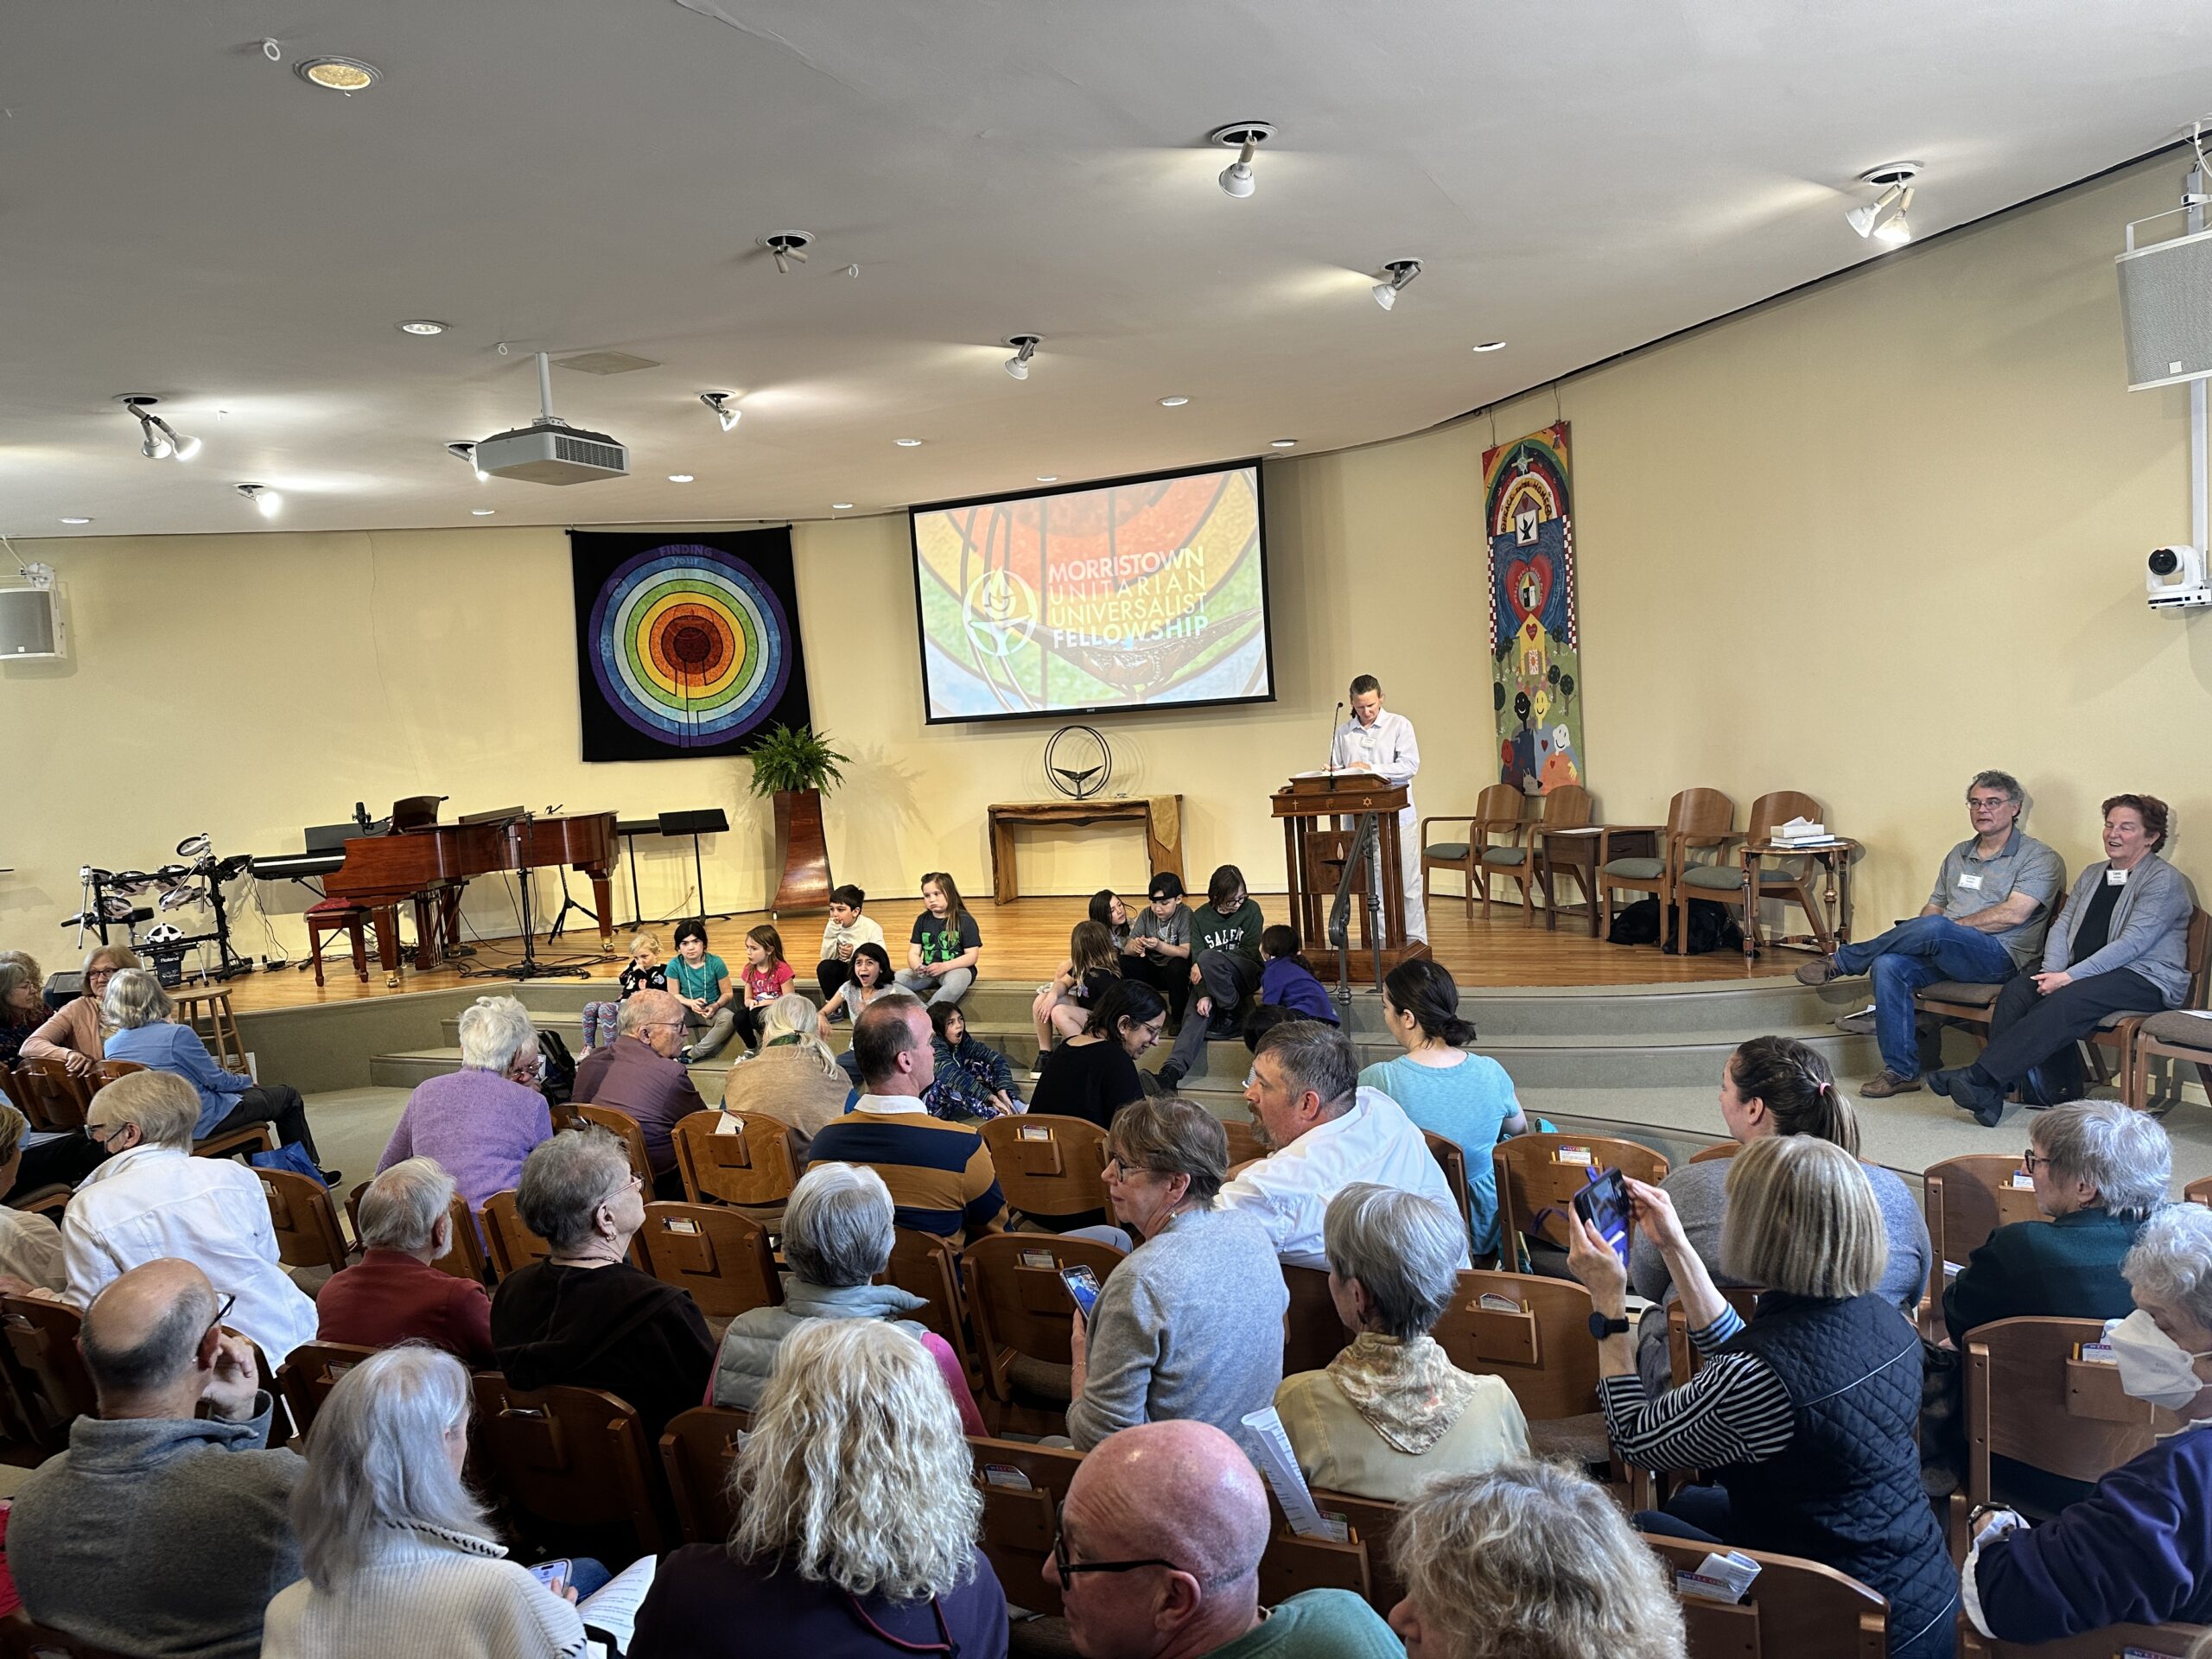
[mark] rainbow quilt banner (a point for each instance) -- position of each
(686, 645)
(1535, 651)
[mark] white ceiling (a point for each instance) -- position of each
(180, 216)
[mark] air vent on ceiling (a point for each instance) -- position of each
(605, 363)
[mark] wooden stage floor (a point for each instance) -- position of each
(1029, 939)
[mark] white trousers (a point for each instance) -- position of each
(1409, 862)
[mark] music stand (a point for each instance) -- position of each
(711, 821)
(630, 829)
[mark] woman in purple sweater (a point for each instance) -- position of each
(885, 1564)
(481, 1121)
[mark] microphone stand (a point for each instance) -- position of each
(1333, 720)
(523, 831)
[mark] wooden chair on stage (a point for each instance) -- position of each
(1566, 807)
(345, 916)
(1652, 857)
(718, 1255)
(1498, 811)
(696, 1452)
(1049, 1167)
(1725, 882)
(1795, 1608)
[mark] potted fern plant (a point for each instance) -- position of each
(792, 766)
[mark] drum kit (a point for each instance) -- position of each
(110, 898)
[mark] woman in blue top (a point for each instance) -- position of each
(139, 1009)
(1463, 1097)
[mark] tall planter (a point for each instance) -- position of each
(802, 851)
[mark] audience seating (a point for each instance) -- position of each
(1652, 857)
(566, 1459)
(229, 1143)
(510, 1243)
(1725, 883)
(1244, 1142)
(1717, 1149)
(1566, 807)
(924, 1265)
(1542, 1346)
(308, 1374)
(51, 1096)
(1374, 1523)
(1497, 812)
(695, 1453)
(1454, 1162)
(718, 1255)
(752, 1164)
(1683, 1359)
(464, 1257)
(1023, 1486)
(624, 1127)
(2114, 1642)
(11, 1091)
(49, 1201)
(2198, 1192)
(2029, 1398)
(1023, 1313)
(305, 1220)
(107, 1072)
(47, 1371)
(1967, 1198)
(1314, 1332)
(1793, 1610)
(1539, 1175)
(23, 1637)
(1293, 1565)
(1049, 1167)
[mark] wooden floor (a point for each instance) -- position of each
(1029, 939)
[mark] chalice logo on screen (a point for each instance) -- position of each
(1000, 612)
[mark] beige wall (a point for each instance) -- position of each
(1860, 542)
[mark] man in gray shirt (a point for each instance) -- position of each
(1984, 922)
(159, 1533)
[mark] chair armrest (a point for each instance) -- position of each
(1449, 818)
(260, 1138)
(1645, 836)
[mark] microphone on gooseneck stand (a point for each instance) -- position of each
(1334, 720)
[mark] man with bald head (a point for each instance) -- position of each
(159, 1532)
(1159, 1558)
(642, 1076)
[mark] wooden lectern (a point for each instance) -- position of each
(1319, 827)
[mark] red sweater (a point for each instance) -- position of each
(388, 1298)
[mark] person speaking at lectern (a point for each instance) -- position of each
(1375, 740)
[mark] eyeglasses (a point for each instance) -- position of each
(221, 1313)
(1067, 1569)
(631, 1183)
(101, 1132)
(1116, 1170)
(1992, 804)
(2031, 1158)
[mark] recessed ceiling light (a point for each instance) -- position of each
(482, 513)
(840, 507)
(76, 521)
(1491, 345)
(679, 478)
(1282, 444)
(339, 74)
(908, 443)
(1048, 478)
(1174, 402)
(421, 326)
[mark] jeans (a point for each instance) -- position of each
(719, 1032)
(934, 988)
(273, 1103)
(2029, 1029)
(1701, 1513)
(1909, 956)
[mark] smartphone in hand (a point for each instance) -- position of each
(546, 1572)
(1082, 1285)
(1604, 1206)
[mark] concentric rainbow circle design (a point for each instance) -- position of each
(689, 645)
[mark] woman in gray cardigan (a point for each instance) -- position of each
(1190, 1323)
(2120, 947)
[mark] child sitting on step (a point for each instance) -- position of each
(644, 973)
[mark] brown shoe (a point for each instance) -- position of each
(1885, 1083)
(1818, 971)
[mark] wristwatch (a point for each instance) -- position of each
(1601, 1327)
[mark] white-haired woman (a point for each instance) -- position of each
(142, 1029)
(1528, 1561)
(1804, 1415)
(399, 1556)
(1392, 1412)
(2137, 1550)
(72, 1037)
(838, 1230)
(794, 1078)
(478, 1123)
(857, 1519)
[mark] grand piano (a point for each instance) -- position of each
(426, 863)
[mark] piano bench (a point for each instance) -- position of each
(344, 916)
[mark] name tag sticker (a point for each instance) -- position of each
(1039, 1259)
(1971, 883)
(2098, 1353)
(2022, 1181)
(678, 1224)
(1490, 1302)
(1036, 1132)
(1573, 1155)
(2115, 877)
(1006, 1475)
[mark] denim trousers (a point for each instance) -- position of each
(1913, 955)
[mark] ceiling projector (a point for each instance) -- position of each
(548, 450)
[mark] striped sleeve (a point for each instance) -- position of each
(986, 1204)
(1734, 1410)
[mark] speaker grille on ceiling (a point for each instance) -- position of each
(2165, 311)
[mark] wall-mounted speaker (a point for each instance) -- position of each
(2165, 311)
(30, 625)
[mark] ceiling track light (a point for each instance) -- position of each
(467, 452)
(719, 402)
(1403, 271)
(787, 248)
(265, 500)
(1884, 219)
(160, 441)
(1025, 347)
(1245, 137)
